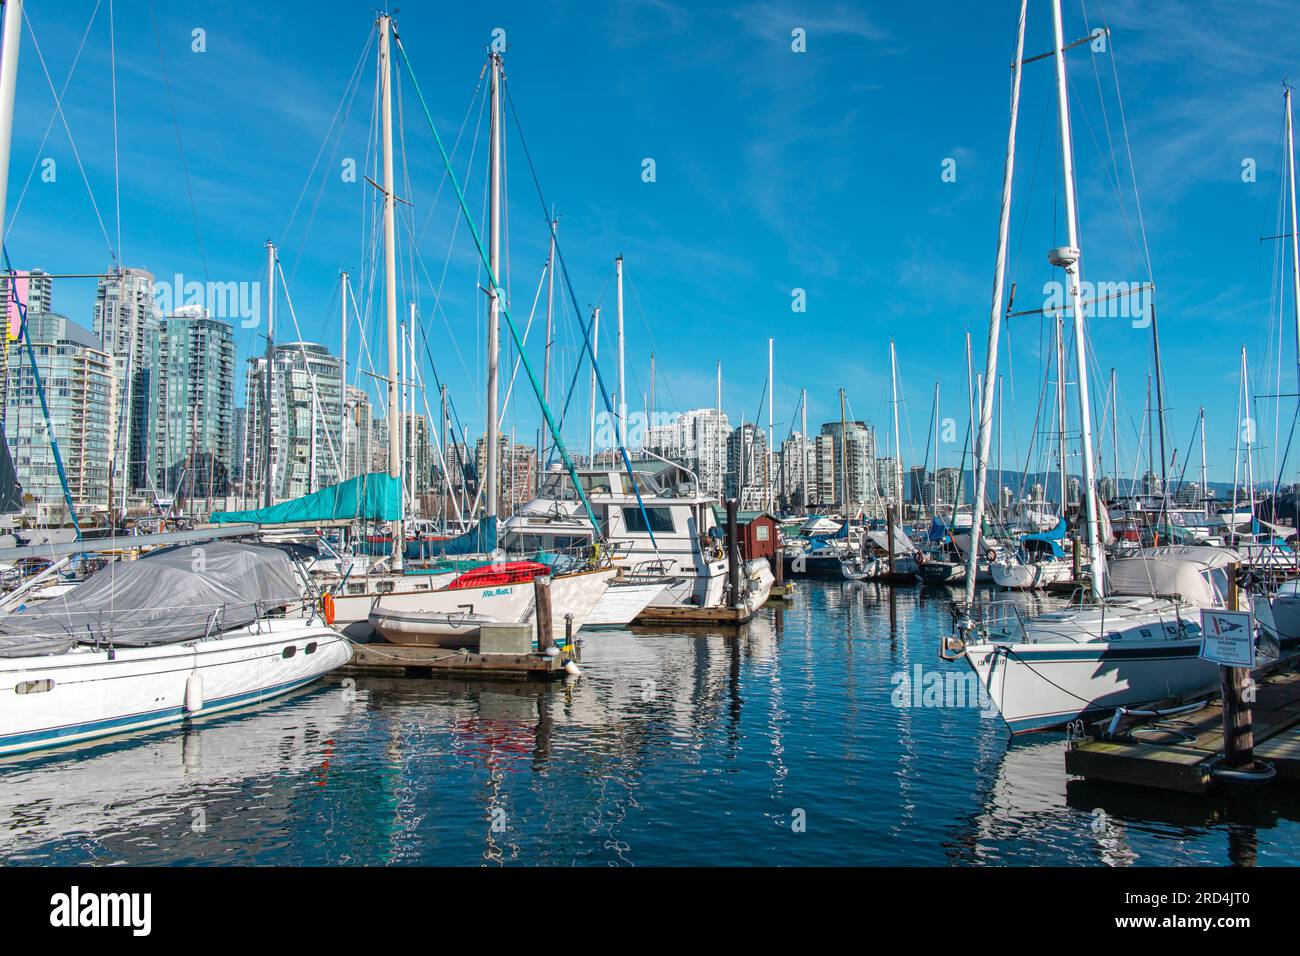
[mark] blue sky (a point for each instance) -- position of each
(775, 170)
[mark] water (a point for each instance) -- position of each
(780, 746)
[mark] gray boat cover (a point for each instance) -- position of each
(166, 597)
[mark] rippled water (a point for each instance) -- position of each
(782, 745)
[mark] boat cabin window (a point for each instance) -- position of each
(559, 486)
(34, 686)
(661, 520)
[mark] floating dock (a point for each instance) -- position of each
(686, 616)
(1180, 752)
(422, 660)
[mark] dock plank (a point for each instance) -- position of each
(1184, 764)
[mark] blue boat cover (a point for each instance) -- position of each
(373, 497)
(1048, 540)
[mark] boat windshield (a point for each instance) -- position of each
(558, 487)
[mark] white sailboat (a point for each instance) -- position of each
(1140, 644)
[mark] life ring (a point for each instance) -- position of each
(327, 607)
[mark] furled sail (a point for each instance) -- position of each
(373, 497)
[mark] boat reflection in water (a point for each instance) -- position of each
(789, 741)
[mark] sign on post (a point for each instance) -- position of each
(1228, 638)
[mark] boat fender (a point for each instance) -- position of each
(327, 607)
(572, 669)
(552, 651)
(194, 692)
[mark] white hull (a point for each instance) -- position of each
(1038, 686)
(1022, 576)
(94, 696)
(621, 603)
(452, 618)
(352, 611)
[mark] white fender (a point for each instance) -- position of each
(194, 692)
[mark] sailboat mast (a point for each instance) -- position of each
(844, 460)
(494, 267)
(267, 495)
(771, 387)
(1060, 410)
(595, 354)
(1295, 239)
(898, 453)
(934, 489)
(546, 365)
(390, 275)
(995, 326)
(803, 454)
(343, 373)
(9, 44)
(1097, 558)
(1205, 484)
(1114, 430)
(622, 381)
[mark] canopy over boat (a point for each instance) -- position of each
(1194, 573)
(169, 596)
(1046, 541)
(902, 543)
(373, 497)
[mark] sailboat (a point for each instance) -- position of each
(1140, 644)
(1039, 560)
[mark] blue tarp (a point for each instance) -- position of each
(1047, 540)
(372, 497)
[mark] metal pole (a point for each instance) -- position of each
(494, 265)
(267, 496)
(343, 375)
(546, 366)
(390, 280)
(595, 356)
(622, 384)
(1072, 270)
(13, 28)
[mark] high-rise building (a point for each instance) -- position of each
(747, 467)
(35, 290)
(307, 392)
(517, 475)
(858, 454)
(798, 471)
(195, 420)
(947, 483)
(127, 323)
(888, 474)
(697, 439)
(920, 486)
(76, 375)
(358, 435)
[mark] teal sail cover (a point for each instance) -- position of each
(373, 497)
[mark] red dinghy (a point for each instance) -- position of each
(496, 575)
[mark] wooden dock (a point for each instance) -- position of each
(782, 592)
(686, 616)
(423, 661)
(1178, 753)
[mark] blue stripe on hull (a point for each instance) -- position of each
(39, 739)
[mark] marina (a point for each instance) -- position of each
(593, 436)
(673, 748)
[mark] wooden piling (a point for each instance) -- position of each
(889, 530)
(1238, 719)
(733, 552)
(542, 596)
